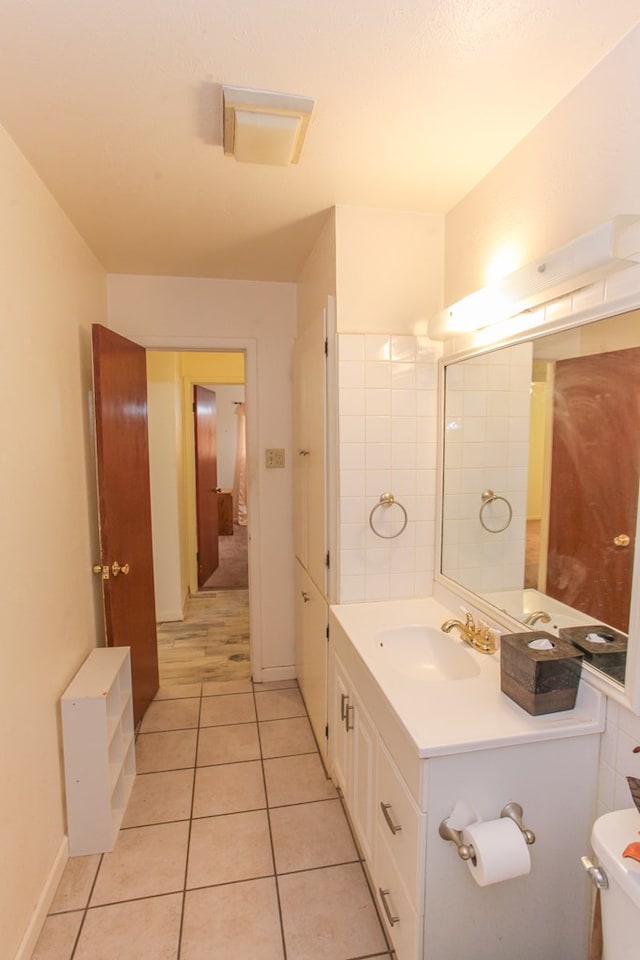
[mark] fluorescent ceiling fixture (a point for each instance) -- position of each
(611, 247)
(264, 127)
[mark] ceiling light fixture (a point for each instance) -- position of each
(613, 246)
(264, 127)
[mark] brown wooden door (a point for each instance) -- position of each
(124, 506)
(204, 415)
(594, 484)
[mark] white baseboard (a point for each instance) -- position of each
(39, 915)
(169, 616)
(276, 673)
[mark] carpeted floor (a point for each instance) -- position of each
(232, 572)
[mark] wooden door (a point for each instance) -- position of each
(124, 507)
(594, 484)
(204, 414)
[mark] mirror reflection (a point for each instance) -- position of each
(541, 471)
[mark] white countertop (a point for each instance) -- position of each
(455, 716)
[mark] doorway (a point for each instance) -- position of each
(203, 627)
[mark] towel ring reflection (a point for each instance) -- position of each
(488, 496)
(388, 500)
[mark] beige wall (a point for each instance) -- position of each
(577, 169)
(202, 314)
(51, 290)
(389, 270)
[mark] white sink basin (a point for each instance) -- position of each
(417, 650)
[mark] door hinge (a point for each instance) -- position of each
(326, 731)
(327, 559)
(193, 406)
(326, 347)
(327, 631)
(198, 557)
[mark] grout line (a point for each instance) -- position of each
(273, 852)
(188, 851)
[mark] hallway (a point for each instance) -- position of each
(234, 844)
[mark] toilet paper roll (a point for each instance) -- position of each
(501, 851)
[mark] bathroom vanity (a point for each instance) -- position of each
(417, 723)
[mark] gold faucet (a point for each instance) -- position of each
(533, 618)
(477, 635)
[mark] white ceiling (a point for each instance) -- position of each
(117, 104)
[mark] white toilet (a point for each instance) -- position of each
(620, 900)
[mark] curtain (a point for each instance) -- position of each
(240, 478)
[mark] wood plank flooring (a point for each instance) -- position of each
(211, 643)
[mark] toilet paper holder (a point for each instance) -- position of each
(512, 810)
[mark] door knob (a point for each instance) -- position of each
(117, 569)
(622, 540)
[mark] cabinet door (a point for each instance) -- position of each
(312, 614)
(340, 712)
(361, 796)
(310, 400)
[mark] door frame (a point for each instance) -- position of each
(249, 346)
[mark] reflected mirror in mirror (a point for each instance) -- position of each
(540, 483)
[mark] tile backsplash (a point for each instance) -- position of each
(617, 759)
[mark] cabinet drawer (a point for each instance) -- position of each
(402, 824)
(402, 922)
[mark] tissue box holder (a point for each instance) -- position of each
(539, 681)
(611, 654)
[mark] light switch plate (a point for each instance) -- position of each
(274, 457)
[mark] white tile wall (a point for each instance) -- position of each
(617, 760)
(387, 406)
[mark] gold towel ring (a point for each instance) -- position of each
(488, 496)
(387, 500)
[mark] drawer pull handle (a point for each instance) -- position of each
(394, 827)
(343, 700)
(349, 715)
(385, 906)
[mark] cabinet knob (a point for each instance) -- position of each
(305, 596)
(303, 453)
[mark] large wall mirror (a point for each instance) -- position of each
(541, 467)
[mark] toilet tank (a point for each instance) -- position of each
(620, 902)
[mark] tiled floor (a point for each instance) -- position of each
(234, 844)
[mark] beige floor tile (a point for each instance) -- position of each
(136, 931)
(280, 704)
(160, 798)
(329, 913)
(75, 884)
(178, 691)
(228, 788)
(284, 738)
(232, 922)
(231, 744)
(296, 780)
(171, 715)
(230, 848)
(311, 835)
(168, 750)
(220, 711)
(58, 936)
(214, 688)
(145, 862)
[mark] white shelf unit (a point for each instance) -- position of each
(99, 749)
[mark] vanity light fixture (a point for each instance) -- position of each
(611, 247)
(264, 127)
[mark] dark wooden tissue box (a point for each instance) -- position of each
(613, 653)
(539, 681)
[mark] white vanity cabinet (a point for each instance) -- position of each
(430, 903)
(99, 749)
(353, 741)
